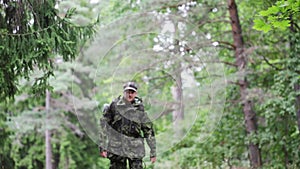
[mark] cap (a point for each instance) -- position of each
(130, 86)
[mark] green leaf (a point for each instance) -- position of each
(260, 25)
(281, 24)
(270, 11)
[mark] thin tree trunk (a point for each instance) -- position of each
(178, 113)
(297, 85)
(48, 134)
(241, 62)
(284, 149)
(297, 107)
(56, 157)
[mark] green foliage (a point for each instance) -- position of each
(69, 141)
(278, 129)
(278, 132)
(75, 152)
(32, 35)
(34, 45)
(26, 156)
(273, 70)
(277, 16)
(221, 149)
(5, 142)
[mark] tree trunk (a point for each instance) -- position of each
(294, 54)
(297, 107)
(48, 134)
(241, 62)
(56, 157)
(177, 94)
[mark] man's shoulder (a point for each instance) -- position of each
(138, 100)
(110, 107)
(116, 100)
(138, 103)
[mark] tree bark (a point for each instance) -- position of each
(294, 54)
(297, 107)
(178, 113)
(48, 134)
(241, 62)
(177, 93)
(56, 157)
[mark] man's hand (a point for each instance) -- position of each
(103, 154)
(153, 159)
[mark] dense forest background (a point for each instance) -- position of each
(219, 79)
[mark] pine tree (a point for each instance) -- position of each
(32, 34)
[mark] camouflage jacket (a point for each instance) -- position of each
(124, 127)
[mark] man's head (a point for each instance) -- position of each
(130, 91)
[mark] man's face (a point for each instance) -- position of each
(130, 95)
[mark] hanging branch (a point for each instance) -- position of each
(26, 47)
(270, 64)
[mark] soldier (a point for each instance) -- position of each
(124, 127)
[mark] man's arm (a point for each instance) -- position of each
(147, 128)
(104, 122)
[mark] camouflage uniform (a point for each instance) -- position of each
(124, 126)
